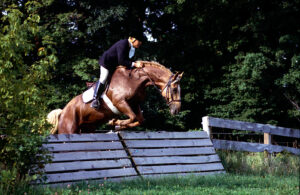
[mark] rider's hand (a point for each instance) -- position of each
(138, 64)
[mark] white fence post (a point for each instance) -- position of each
(205, 126)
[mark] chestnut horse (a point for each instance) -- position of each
(126, 91)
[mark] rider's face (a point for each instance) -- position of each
(136, 43)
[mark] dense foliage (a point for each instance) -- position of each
(240, 58)
(26, 55)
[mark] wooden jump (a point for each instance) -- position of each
(161, 153)
(126, 155)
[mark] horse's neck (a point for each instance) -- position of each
(157, 75)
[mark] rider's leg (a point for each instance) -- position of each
(100, 87)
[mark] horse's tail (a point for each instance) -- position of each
(53, 118)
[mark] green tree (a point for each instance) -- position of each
(26, 56)
(261, 84)
(212, 40)
(245, 92)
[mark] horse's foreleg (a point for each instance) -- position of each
(130, 125)
(139, 118)
(139, 114)
(125, 109)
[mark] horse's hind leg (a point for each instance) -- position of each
(68, 122)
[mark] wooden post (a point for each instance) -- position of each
(267, 140)
(206, 127)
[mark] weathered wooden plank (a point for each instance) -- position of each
(85, 175)
(179, 168)
(167, 143)
(83, 146)
(176, 160)
(252, 147)
(98, 155)
(164, 135)
(85, 165)
(83, 137)
(256, 127)
(182, 175)
(172, 151)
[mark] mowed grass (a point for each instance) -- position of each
(217, 184)
(247, 173)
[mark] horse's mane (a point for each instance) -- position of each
(156, 64)
(152, 64)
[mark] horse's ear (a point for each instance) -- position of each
(178, 76)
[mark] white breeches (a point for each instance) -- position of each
(103, 75)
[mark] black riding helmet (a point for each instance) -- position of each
(138, 34)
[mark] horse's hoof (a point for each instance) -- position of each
(110, 132)
(112, 122)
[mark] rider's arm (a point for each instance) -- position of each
(123, 52)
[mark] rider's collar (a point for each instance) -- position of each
(130, 44)
(131, 51)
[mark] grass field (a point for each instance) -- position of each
(219, 184)
(247, 173)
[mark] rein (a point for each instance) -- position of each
(150, 79)
(167, 87)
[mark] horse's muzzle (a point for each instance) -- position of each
(174, 108)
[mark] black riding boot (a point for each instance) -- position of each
(98, 91)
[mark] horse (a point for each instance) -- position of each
(124, 94)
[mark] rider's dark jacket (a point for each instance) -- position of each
(116, 55)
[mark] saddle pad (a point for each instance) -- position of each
(87, 96)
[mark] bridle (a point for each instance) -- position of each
(169, 92)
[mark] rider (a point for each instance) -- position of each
(118, 54)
